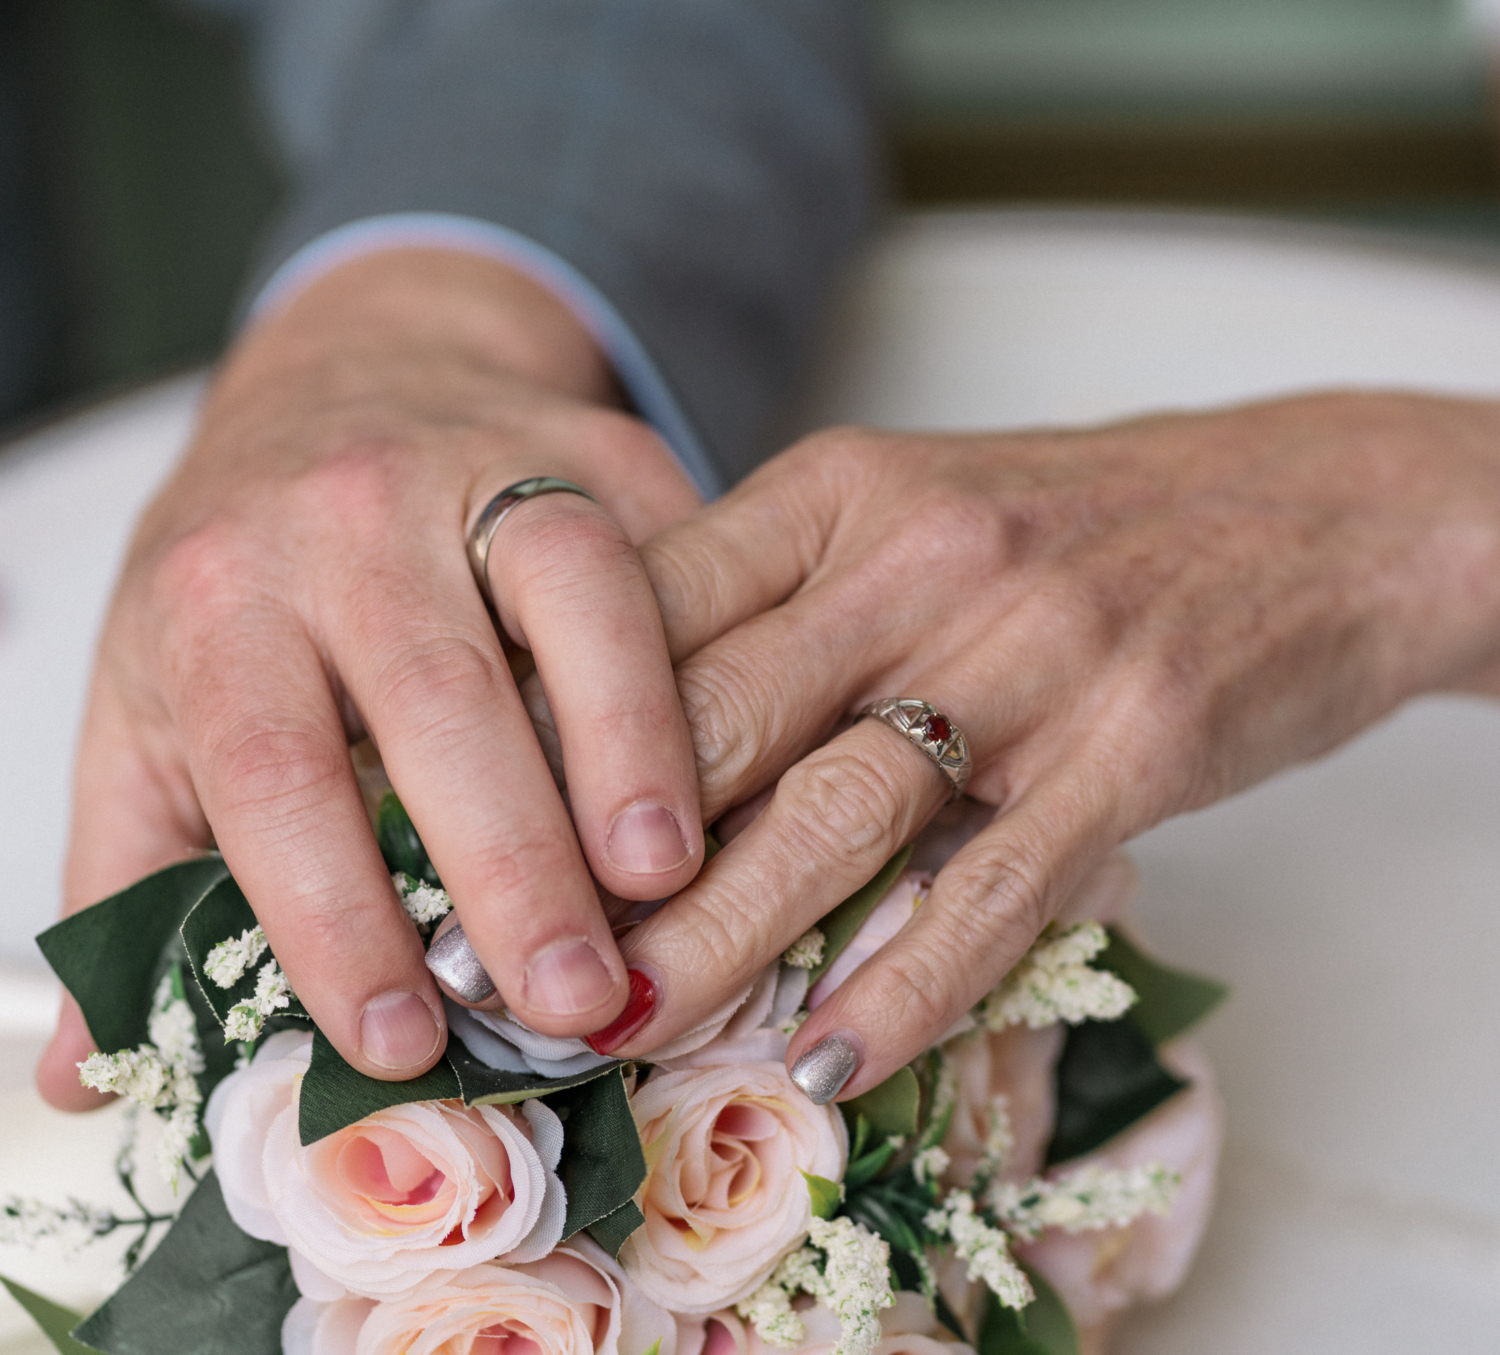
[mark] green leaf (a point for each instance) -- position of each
(1043, 1327)
(222, 914)
(1107, 1078)
(868, 1166)
(399, 843)
(602, 1163)
(612, 1230)
(891, 1108)
(56, 1322)
(208, 1289)
(655, 1348)
(876, 1214)
(335, 1095)
(110, 956)
(826, 1195)
(1171, 1001)
(481, 1085)
(839, 926)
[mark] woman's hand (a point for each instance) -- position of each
(302, 582)
(1126, 623)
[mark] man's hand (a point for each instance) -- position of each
(302, 582)
(1126, 623)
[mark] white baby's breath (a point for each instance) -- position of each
(1085, 1199)
(245, 1020)
(160, 1076)
(929, 1164)
(769, 1309)
(26, 1222)
(856, 1281)
(999, 1139)
(985, 1250)
(231, 960)
(1053, 982)
(424, 903)
(806, 952)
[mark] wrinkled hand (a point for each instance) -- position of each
(302, 582)
(1126, 623)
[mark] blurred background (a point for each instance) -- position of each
(136, 174)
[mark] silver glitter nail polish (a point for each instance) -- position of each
(452, 961)
(823, 1070)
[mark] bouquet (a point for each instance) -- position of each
(1011, 1191)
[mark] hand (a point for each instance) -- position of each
(302, 581)
(1127, 623)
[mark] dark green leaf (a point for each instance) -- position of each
(399, 843)
(56, 1322)
(602, 1163)
(612, 1230)
(839, 926)
(1171, 1001)
(1107, 1079)
(110, 956)
(208, 1289)
(873, 1211)
(868, 1166)
(224, 914)
(825, 1195)
(481, 1085)
(891, 1108)
(335, 1095)
(1043, 1327)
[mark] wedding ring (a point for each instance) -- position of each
(931, 731)
(488, 522)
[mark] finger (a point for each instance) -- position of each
(132, 814)
(434, 688)
(572, 590)
(835, 819)
(744, 553)
(270, 758)
(986, 907)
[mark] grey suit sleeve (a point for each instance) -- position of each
(705, 164)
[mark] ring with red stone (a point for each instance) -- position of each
(931, 731)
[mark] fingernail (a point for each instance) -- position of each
(638, 1008)
(398, 1030)
(823, 1070)
(645, 839)
(452, 960)
(567, 977)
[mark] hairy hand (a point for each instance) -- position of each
(1127, 623)
(302, 582)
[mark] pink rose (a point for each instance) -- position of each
(576, 1301)
(724, 1197)
(887, 918)
(377, 1208)
(908, 1328)
(1099, 1274)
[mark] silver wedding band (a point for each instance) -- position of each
(488, 522)
(931, 731)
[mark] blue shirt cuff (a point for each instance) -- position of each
(638, 374)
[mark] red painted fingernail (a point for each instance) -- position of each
(638, 1008)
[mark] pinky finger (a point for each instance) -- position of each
(988, 904)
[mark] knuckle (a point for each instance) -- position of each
(355, 488)
(274, 772)
(439, 688)
(199, 575)
(516, 868)
(731, 715)
(847, 807)
(998, 904)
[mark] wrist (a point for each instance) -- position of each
(478, 312)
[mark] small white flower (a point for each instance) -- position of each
(769, 1311)
(245, 1020)
(793, 1023)
(26, 1222)
(856, 1281)
(231, 960)
(1053, 982)
(985, 1250)
(424, 903)
(1085, 1199)
(161, 1077)
(807, 951)
(929, 1164)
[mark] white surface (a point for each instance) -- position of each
(1352, 904)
